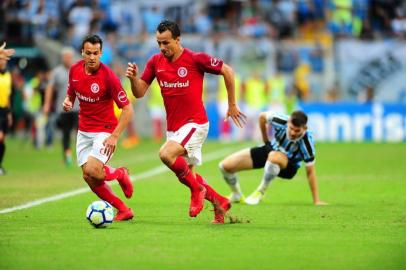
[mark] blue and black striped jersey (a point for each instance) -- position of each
(298, 150)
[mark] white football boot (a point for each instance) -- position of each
(254, 198)
(236, 197)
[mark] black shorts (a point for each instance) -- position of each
(67, 121)
(259, 155)
(4, 120)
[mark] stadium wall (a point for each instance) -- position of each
(343, 121)
(378, 122)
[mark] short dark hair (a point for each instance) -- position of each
(94, 39)
(298, 118)
(170, 26)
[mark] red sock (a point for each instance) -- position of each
(105, 193)
(112, 173)
(211, 194)
(185, 176)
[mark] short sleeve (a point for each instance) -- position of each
(117, 91)
(149, 72)
(308, 150)
(70, 91)
(208, 63)
(276, 119)
(269, 116)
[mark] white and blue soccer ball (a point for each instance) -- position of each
(100, 214)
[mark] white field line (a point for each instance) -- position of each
(157, 170)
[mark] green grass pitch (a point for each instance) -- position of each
(363, 227)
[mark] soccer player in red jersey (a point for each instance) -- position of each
(179, 72)
(96, 87)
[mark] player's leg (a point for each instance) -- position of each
(4, 124)
(91, 159)
(232, 164)
(120, 174)
(220, 203)
(275, 163)
(110, 173)
(2, 151)
(64, 124)
(194, 157)
(171, 155)
(93, 173)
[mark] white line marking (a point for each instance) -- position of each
(157, 170)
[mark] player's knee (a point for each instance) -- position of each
(277, 158)
(92, 183)
(88, 179)
(165, 156)
(90, 173)
(226, 167)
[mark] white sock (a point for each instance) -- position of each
(271, 170)
(231, 179)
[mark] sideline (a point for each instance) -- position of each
(144, 175)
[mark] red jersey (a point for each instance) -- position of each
(181, 85)
(96, 94)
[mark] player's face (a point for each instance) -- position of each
(91, 54)
(295, 132)
(167, 44)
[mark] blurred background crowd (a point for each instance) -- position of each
(283, 51)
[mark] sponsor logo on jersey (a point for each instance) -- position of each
(182, 72)
(85, 98)
(122, 96)
(214, 62)
(94, 88)
(174, 85)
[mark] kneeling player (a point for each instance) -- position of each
(291, 144)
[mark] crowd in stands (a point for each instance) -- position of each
(70, 20)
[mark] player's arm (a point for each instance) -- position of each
(233, 111)
(312, 180)
(138, 86)
(262, 119)
(125, 117)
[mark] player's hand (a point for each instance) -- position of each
(67, 104)
(319, 203)
(132, 71)
(238, 117)
(5, 53)
(110, 145)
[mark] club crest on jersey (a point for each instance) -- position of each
(94, 88)
(182, 72)
(122, 96)
(214, 62)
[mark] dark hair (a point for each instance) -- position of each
(298, 118)
(170, 26)
(94, 39)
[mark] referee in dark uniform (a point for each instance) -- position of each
(5, 112)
